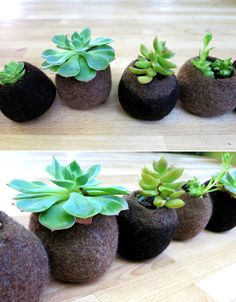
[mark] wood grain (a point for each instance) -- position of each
(26, 28)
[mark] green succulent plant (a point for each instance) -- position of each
(219, 68)
(160, 183)
(75, 197)
(12, 73)
(80, 56)
(228, 183)
(150, 63)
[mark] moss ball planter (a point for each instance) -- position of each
(224, 212)
(152, 101)
(144, 231)
(82, 253)
(28, 98)
(24, 266)
(204, 96)
(193, 217)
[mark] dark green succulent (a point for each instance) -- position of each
(160, 183)
(12, 73)
(75, 197)
(223, 68)
(80, 57)
(150, 63)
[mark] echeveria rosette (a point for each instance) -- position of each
(151, 63)
(80, 57)
(161, 184)
(77, 196)
(12, 73)
(228, 183)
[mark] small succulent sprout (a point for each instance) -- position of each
(75, 197)
(223, 68)
(161, 184)
(80, 57)
(151, 63)
(12, 73)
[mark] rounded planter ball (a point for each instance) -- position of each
(144, 232)
(85, 95)
(193, 217)
(224, 212)
(151, 101)
(24, 270)
(81, 253)
(28, 98)
(204, 96)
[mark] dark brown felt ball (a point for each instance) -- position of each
(224, 212)
(151, 101)
(83, 252)
(85, 95)
(29, 98)
(24, 270)
(193, 217)
(144, 233)
(204, 96)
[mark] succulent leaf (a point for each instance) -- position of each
(12, 73)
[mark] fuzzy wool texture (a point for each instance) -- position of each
(224, 212)
(204, 96)
(28, 98)
(152, 101)
(144, 233)
(81, 253)
(193, 217)
(85, 95)
(24, 270)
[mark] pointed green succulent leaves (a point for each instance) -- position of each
(12, 73)
(76, 194)
(80, 57)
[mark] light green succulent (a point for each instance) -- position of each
(151, 63)
(12, 73)
(80, 57)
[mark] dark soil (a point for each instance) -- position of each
(82, 253)
(204, 96)
(29, 98)
(193, 217)
(24, 270)
(144, 232)
(151, 101)
(85, 95)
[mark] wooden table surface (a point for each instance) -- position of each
(27, 26)
(197, 270)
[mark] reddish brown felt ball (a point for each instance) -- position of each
(28, 98)
(83, 252)
(204, 96)
(193, 217)
(151, 101)
(224, 212)
(144, 232)
(24, 270)
(85, 95)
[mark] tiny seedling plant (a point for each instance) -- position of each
(218, 68)
(79, 56)
(12, 73)
(161, 185)
(151, 63)
(75, 197)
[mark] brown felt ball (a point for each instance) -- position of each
(204, 96)
(83, 252)
(144, 232)
(193, 217)
(24, 270)
(151, 101)
(85, 95)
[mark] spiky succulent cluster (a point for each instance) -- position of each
(81, 57)
(218, 68)
(150, 63)
(160, 183)
(12, 73)
(77, 196)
